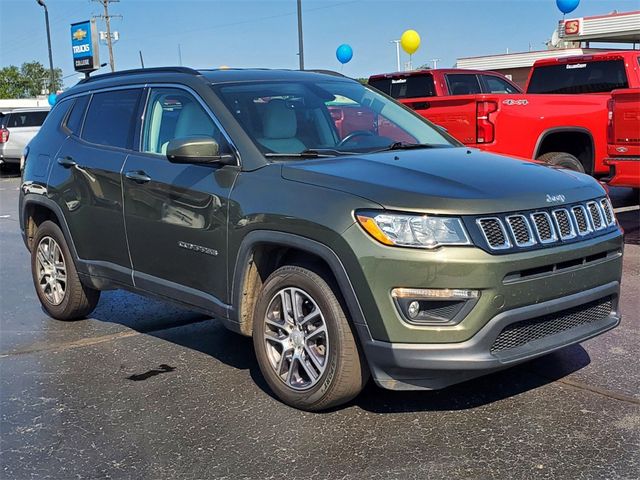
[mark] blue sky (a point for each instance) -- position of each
(244, 33)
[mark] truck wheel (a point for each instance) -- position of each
(304, 343)
(55, 277)
(562, 159)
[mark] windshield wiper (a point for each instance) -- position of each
(405, 146)
(310, 153)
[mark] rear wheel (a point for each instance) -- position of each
(562, 159)
(55, 278)
(304, 343)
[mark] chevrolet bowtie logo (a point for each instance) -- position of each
(79, 34)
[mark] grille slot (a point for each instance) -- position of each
(494, 233)
(595, 215)
(521, 333)
(564, 224)
(580, 216)
(521, 230)
(608, 211)
(544, 227)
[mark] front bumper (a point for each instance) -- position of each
(402, 366)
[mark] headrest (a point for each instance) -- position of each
(279, 120)
(193, 120)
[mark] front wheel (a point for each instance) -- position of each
(55, 278)
(304, 343)
(562, 159)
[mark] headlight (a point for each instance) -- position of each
(418, 231)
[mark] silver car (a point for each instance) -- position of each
(17, 128)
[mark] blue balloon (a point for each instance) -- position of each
(344, 53)
(52, 99)
(567, 6)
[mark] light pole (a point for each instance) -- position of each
(46, 19)
(397, 42)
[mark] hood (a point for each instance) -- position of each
(446, 180)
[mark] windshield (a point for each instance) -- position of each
(331, 117)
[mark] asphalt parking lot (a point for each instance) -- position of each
(147, 390)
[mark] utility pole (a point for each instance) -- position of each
(300, 41)
(435, 63)
(107, 20)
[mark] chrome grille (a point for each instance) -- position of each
(564, 224)
(494, 233)
(595, 216)
(580, 216)
(608, 211)
(544, 227)
(521, 230)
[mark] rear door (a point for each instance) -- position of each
(176, 215)
(85, 178)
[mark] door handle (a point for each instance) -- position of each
(138, 176)
(66, 162)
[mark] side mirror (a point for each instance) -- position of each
(197, 150)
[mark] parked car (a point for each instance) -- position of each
(561, 120)
(17, 128)
(344, 256)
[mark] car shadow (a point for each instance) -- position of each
(207, 335)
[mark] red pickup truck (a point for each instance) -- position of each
(549, 122)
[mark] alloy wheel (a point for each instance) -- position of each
(52, 270)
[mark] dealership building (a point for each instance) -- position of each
(572, 37)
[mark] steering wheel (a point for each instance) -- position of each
(354, 134)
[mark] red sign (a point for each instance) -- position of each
(572, 27)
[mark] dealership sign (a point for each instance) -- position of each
(84, 44)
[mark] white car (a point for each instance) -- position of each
(17, 128)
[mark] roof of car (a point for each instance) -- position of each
(26, 109)
(430, 71)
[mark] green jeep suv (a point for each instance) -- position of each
(347, 235)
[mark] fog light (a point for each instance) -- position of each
(434, 306)
(414, 309)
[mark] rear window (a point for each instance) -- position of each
(25, 119)
(414, 86)
(110, 119)
(587, 77)
(463, 84)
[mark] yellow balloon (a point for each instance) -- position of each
(410, 41)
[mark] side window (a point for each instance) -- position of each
(173, 113)
(26, 119)
(110, 119)
(57, 114)
(463, 84)
(498, 85)
(74, 120)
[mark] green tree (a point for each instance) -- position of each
(30, 80)
(11, 82)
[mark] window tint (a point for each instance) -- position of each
(110, 119)
(414, 86)
(498, 85)
(463, 84)
(588, 77)
(174, 113)
(74, 120)
(25, 119)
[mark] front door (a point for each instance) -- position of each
(176, 215)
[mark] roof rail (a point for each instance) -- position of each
(134, 71)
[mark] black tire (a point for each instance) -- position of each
(562, 159)
(345, 372)
(78, 300)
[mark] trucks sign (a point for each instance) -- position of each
(84, 44)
